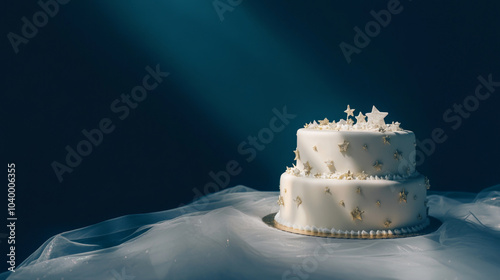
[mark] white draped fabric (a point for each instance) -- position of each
(222, 236)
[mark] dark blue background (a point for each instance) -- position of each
(225, 79)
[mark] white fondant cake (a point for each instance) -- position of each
(354, 178)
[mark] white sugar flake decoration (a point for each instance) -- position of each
(375, 122)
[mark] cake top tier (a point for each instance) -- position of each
(375, 122)
(365, 149)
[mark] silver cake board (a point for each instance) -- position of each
(433, 226)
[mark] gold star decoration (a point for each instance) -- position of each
(327, 190)
(387, 223)
(341, 203)
(281, 201)
(297, 154)
(298, 200)
(397, 155)
(427, 183)
(324, 122)
(395, 125)
(346, 176)
(358, 190)
(365, 147)
(402, 196)
(330, 165)
(349, 111)
(386, 139)
(361, 118)
(307, 168)
(306, 125)
(315, 148)
(356, 214)
(343, 146)
(378, 165)
(419, 217)
(378, 203)
(362, 176)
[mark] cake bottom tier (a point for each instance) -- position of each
(357, 206)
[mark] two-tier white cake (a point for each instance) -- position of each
(354, 178)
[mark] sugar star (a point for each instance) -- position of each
(378, 165)
(402, 196)
(307, 168)
(427, 183)
(280, 201)
(297, 154)
(343, 146)
(298, 201)
(324, 122)
(362, 176)
(330, 164)
(349, 111)
(387, 223)
(361, 118)
(386, 139)
(397, 155)
(346, 176)
(376, 117)
(356, 214)
(395, 126)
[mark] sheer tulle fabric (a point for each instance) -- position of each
(222, 236)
